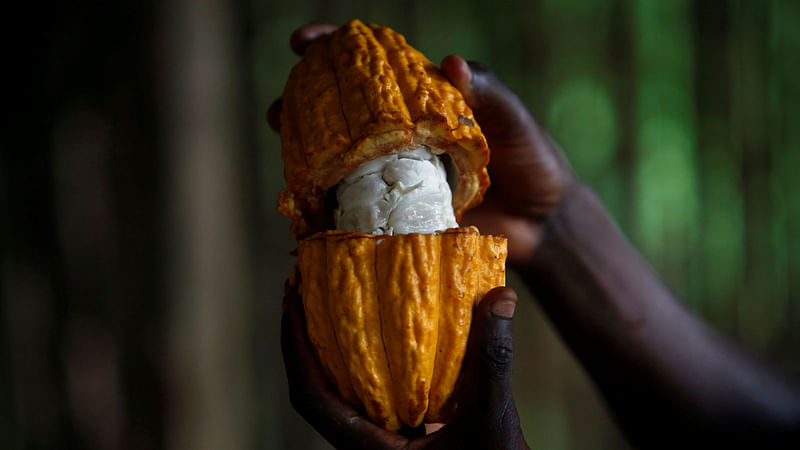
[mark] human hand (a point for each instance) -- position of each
(486, 416)
(529, 174)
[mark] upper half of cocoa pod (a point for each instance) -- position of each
(360, 93)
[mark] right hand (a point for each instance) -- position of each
(529, 173)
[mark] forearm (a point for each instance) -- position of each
(664, 374)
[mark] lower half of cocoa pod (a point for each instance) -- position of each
(389, 316)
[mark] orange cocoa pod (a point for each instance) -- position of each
(400, 308)
(408, 269)
(388, 316)
(354, 309)
(361, 93)
(493, 254)
(461, 272)
(314, 291)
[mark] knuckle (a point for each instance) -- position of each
(498, 353)
(477, 66)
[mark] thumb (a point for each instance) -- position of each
(497, 108)
(490, 354)
(486, 403)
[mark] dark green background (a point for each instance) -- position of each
(143, 260)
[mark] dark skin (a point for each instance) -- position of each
(668, 380)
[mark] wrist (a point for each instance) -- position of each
(585, 270)
(574, 219)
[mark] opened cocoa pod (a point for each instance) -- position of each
(361, 93)
(382, 156)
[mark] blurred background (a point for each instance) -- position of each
(143, 261)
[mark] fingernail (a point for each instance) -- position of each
(504, 308)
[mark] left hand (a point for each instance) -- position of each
(486, 416)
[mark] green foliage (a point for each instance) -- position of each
(582, 118)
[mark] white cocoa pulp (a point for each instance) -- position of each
(396, 194)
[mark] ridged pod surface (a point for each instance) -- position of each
(389, 316)
(360, 93)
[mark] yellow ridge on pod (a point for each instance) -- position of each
(357, 324)
(408, 277)
(400, 308)
(494, 251)
(460, 275)
(314, 291)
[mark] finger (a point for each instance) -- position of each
(313, 396)
(526, 164)
(274, 114)
(486, 415)
(486, 390)
(302, 369)
(308, 33)
(496, 107)
(412, 433)
(458, 72)
(491, 346)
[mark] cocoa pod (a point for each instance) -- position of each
(361, 93)
(399, 310)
